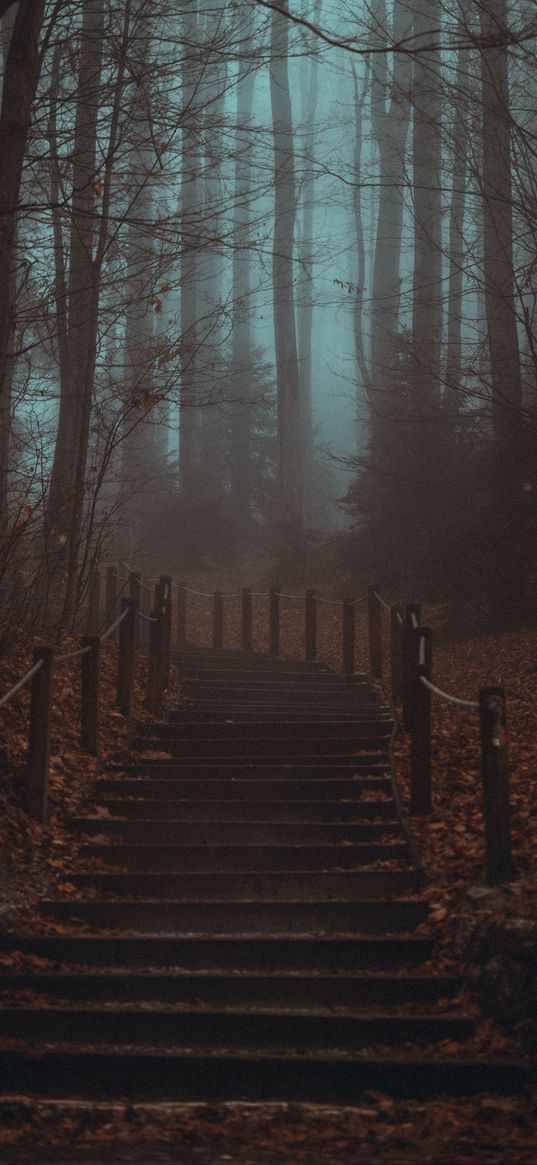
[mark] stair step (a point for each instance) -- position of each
(248, 857)
(255, 746)
(240, 988)
(274, 729)
(229, 1027)
(242, 810)
(196, 1073)
(337, 953)
(209, 711)
(276, 887)
(234, 833)
(175, 788)
(345, 767)
(220, 916)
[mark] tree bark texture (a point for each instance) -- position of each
(290, 468)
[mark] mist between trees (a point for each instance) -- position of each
(268, 295)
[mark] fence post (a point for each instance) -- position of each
(89, 695)
(218, 621)
(155, 669)
(94, 598)
(348, 636)
(111, 596)
(135, 593)
(409, 660)
(166, 606)
(310, 626)
(396, 650)
(126, 657)
(420, 746)
(246, 621)
(181, 617)
(142, 631)
(495, 776)
(39, 736)
(375, 633)
(274, 623)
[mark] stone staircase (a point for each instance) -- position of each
(245, 913)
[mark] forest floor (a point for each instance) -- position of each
(487, 1130)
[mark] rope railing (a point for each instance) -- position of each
(146, 618)
(80, 651)
(447, 695)
(21, 683)
(383, 603)
(117, 622)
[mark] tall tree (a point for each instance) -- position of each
(290, 443)
(20, 79)
(391, 103)
(241, 334)
(427, 205)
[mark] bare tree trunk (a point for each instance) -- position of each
(427, 185)
(8, 24)
(508, 454)
(456, 245)
(21, 75)
(189, 217)
(498, 223)
(290, 468)
(390, 111)
(78, 348)
(363, 375)
(306, 256)
(241, 335)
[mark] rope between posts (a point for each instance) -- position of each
(146, 618)
(259, 594)
(414, 620)
(357, 602)
(198, 594)
(446, 695)
(329, 602)
(17, 687)
(292, 598)
(382, 601)
(72, 654)
(109, 630)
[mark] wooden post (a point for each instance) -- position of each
(218, 621)
(167, 612)
(39, 736)
(420, 748)
(375, 634)
(154, 696)
(409, 660)
(495, 775)
(396, 651)
(144, 607)
(181, 617)
(126, 657)
(274, 623)
(94, 602)
(135, 593)
(310, 626)
(246, 621)
(348, 636)
(89, 695)
(111, 597)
